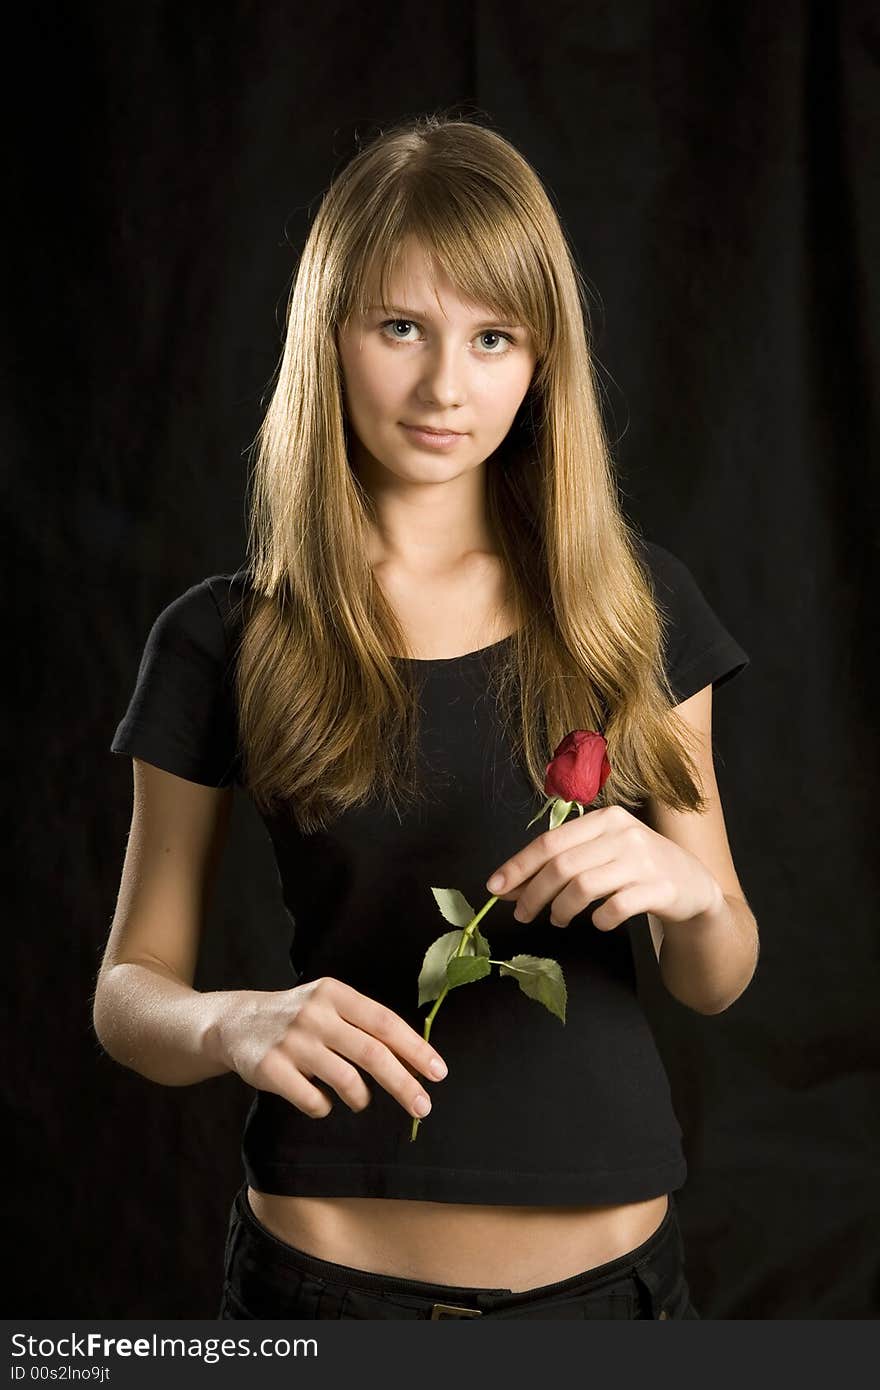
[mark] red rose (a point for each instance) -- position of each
(579, 768)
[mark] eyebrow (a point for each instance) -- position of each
(419, 315)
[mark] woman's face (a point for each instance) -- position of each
(447, 366)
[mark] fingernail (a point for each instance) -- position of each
(421, 1105)
(495, 882)
(438, 1068)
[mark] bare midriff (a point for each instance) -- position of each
(509, 1247)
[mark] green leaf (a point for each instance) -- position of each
(540, 978)
(480, 944)
(559, 812)
(547, 803)
(433, 977)
(454, 906)
(461, 970)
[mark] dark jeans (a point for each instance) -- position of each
(264, 1277)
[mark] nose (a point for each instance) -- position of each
(442, 383)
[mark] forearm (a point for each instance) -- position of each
(707, 962)
(151, 1021)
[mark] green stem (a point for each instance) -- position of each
(459, 951)
(467, 934)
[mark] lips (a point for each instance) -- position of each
(429, 429)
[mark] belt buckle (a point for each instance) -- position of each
(454, 1310)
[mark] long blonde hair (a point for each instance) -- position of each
(326, 719)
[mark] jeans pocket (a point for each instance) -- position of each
(662, 1295)
(679, 1304)
(338, 1301)
(611, 1305)
(233, 1228)
(231, 1305)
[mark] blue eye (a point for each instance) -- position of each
(502, 337)
(395, 323)
(486, 333)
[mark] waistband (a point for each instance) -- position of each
(655, 1265)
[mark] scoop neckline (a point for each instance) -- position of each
(451, 660)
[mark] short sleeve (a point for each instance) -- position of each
(699, 650)
(181, 715)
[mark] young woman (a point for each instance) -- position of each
(440, 586)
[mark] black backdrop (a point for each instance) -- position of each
(712, 166)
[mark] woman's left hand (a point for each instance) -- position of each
(607, 853)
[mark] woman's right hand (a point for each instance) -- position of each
(282, 1040)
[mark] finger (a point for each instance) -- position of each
(398, 1037)
(529, 860)
(369, 1052)
(627, 902)
(573, 873)
(280, 1074)
(533, 896)
(589, 884)
(333, 1064)
(515, 893)
(383, 1023)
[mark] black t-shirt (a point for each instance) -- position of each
(533, 1111)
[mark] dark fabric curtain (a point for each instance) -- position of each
(715, 167)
